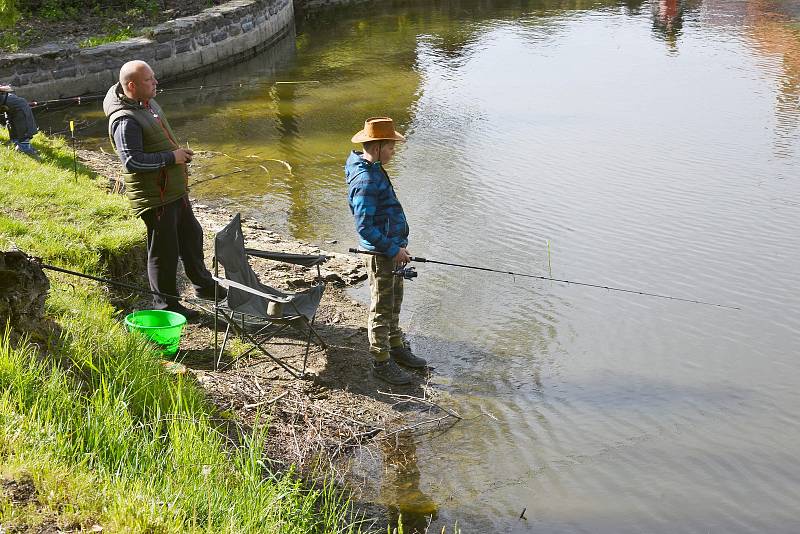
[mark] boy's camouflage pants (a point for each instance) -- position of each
(386, 298)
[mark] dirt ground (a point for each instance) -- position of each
(339, 404)
(335, 415)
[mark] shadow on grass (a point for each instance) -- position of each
(64, 158)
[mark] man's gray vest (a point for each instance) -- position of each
(148, 190)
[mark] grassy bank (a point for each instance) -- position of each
(94, 431)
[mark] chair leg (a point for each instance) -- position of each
(310, 326)
(216, 309)
(224, 342)
(291, 370)
(308, 348)
(256, 345)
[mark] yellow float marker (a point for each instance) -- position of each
(74, 151)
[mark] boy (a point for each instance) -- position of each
(382, 228)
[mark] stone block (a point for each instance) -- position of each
(183, 45)
(188, 27)
(161, 34)
(52, 51)
(234, 29)
(41, 76)
(247, 26)
(65, 72)
(219, 36)
(96, 66)
(164, 51)
(26, 67)
(10, 60)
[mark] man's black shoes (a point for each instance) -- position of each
(191, 315)
(207, 293)
(404, 356)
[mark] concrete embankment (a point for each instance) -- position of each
(180, 47)
(176, 49)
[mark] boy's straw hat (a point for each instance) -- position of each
(378, 129)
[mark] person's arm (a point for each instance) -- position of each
(364, 198)
(6, 89)
(130, 147)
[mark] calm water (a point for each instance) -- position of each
(655, 144)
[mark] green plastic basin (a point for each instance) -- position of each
(162, 327)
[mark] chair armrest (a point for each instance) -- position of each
(306, 260)
(224, 282)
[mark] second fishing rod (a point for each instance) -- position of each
(57, 103)
(409, 273)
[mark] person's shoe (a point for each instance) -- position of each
(190, 314)
(26, 148)
(207, 293)
(404, 356)
(390, 372)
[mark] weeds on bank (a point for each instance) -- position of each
(103, 429)
(91, 419)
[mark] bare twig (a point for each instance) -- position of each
(421, 400)
(414, 426)
(268, 401)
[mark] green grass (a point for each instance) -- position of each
(46, 212)
(106, 435)
(119, 34)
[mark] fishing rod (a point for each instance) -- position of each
(79, 100)
(401, 272)
(241, 84)
(72, 100)
(131, 287)
(215, 176)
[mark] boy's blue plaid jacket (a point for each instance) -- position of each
(380, 221)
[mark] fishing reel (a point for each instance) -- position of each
(408, 273)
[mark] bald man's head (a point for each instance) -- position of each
(138, 80)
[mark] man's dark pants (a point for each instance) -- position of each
(173, 232)
(22, 125)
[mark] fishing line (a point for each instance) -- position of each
(550, 279)
(200, 303)
(238, 85)
(84, 99)
(214, 177)
(132, 287)
(79, 126)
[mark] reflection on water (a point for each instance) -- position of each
(775, 30)
(668, 19)
(400, 487)
(654, 144)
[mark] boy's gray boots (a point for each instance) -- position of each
(404, 356)
(390, 372)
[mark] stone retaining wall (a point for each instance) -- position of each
(311, 5)
(221, 34)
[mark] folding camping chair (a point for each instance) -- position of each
(256, 311)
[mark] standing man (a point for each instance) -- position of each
(382, 228)
(22, 126)
(157, 185)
